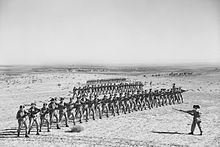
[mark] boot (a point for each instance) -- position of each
(200, 133)
(18, 134)
(191, 133)
(58, 127)
(26, 136)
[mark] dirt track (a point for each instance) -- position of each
(157, 127)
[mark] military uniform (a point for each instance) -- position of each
(22, 118)
(44, 116)
(33, 118)
(196, 119)
(71, 110)
(105, 105)
(53, 111)
(97, 104)
(62, 112)
(79, 108)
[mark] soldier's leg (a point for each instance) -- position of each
(56, 116)
(48, 125)
(176, 98)
(149, 104)
(106, 107)
(200, 128)
(157, 102)
(37, 126)
(193, 126)
(60, 120)
(73, 113)
(51, 119)
(181, 97)
(144, 105)
(69, 114)
(140, 105)
(87, 114)
(66, 119)
(103, 109)
(135, 105)
(60, 116)
(30, 125)
(170, 100)
(117, 108)
(130, 105)
(80, 115)
(19, 127)
(41, 123)
(100, 112)
(113, 109)
(26, 128)
(93, 113)
(173, 97)
(127, 107)
(124, 108)
(152, 103)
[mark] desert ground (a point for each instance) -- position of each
(161, 126)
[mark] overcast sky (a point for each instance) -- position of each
(109, 31)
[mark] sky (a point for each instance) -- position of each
(36, 32)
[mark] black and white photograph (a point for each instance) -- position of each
(99, 73)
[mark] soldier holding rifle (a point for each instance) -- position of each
(33, 118)
(22, 118)
(196, 118)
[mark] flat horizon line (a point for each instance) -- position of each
(117, 65)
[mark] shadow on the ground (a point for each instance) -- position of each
(158, 132)
(9, 133)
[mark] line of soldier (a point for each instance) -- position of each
(87, 104)
(98, 81)
(108, 87)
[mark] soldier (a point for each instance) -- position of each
(111, 105)
(179, 93)
(85, 108)
(79, 108)
(97, 105)
(62, 112)
(138, 100)
(44, 116)
(22, 118)
(52, 111)
(105, 105)
(196, 118)
(116, 103)
(133, 101)
(146, 100)
(169, 95)
(156, 98)
(70, 110)
(33, 118)
(150, 95)
(127, 103)
(91, 106)
(142, 100)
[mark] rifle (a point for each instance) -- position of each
(26, 114)
(179, 110)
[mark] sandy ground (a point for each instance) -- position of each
(157, 127)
